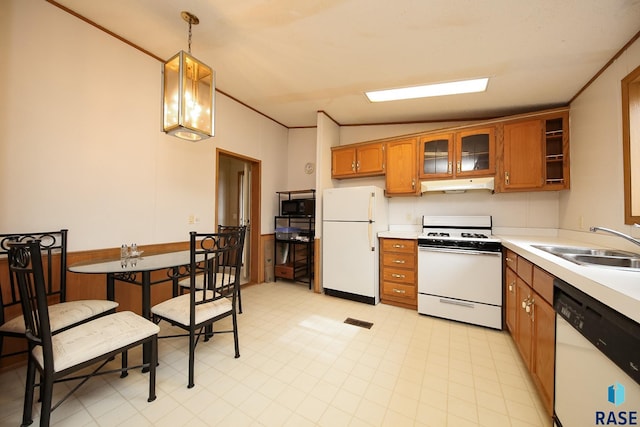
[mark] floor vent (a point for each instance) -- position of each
(360, 323)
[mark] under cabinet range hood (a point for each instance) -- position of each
(458, 185)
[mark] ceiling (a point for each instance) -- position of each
(289, 59)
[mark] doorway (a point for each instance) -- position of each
(238, 203)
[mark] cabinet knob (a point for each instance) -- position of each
(459, 166)
(506, 178)
(399, 261)
(399, 246)
(449, 168)
(358, 165)
(399, 291)
(398, 276)
(353, 166)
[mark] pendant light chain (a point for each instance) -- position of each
(190, 19)
(189, 36)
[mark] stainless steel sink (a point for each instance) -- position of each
(605, 261)
(574, 250)
(611, 258)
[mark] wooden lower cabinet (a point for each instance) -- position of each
(510, 300)
(524, 327)
(530, 318)
(398, 272)
(544, 333)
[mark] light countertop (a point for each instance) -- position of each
(399, 234)
(616, 288)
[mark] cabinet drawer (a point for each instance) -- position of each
(543, 284)
(399, 275)
(401, 260)
(511, 260)
(398, 245)
(398, 290)
(284, 271)
(525, 270)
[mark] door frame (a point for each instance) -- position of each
(254, 220)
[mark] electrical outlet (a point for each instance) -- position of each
(191, 219)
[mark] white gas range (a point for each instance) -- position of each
(460, 270)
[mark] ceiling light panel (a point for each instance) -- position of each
(424, 91)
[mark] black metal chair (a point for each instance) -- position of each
(214, 272)
(76, 348)
(186, 283)
(63, 314)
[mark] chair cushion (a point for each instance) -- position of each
(220, 278)
(177, 309)
(64, 314)
(97, 337)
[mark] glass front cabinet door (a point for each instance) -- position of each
(437, 156)
(469, 152)
(475, 152)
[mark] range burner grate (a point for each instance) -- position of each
(474, 235)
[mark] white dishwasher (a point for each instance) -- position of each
(597, 380)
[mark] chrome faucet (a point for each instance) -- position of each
(617, 233)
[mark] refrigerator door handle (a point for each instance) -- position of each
(371, 201)
(370, 230)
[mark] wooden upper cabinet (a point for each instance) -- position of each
(533, 154)
(370, 159)
(556, 152)
(355, 161)
(528, 152)
(466, 153)
(402, 168)
(343, 162)
(476, 152)
(522, 155)
(436, 152)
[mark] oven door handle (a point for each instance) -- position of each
(458, 251)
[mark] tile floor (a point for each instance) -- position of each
(301, 365)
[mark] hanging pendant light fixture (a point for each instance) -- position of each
(188, 94)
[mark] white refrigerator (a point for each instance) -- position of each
(351, 219)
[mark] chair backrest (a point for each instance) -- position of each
(25, 266)
(53, 246)
(218, 258)
(235, 228)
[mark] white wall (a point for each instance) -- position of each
(597, 187)
(81, 145)
(301, 150)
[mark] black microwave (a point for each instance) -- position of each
(299, 207)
